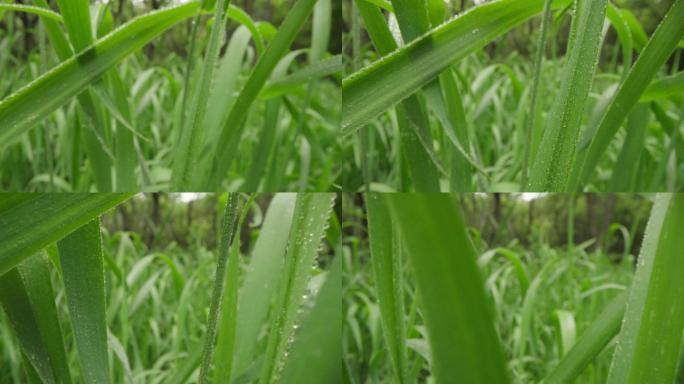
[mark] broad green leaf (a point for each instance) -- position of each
(460, 324)
(22, 110)
(259, 285)
(386, 263)
(81, 260)
(552, 165)
(652, 57)
(379, 86)
(76, 14)
(308, 228)
(647, 348)
(318, 343)
(43, 219)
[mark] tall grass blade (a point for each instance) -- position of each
(32, 224)
(259, 285)
(463, 341)
(318, 343)
(647, 348)
(553, 163)
(81, 261)
(655, 53)
(386, 263)
(311, 217)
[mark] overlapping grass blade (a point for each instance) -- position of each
(652, 57)
(28, 300)
(553, 163)
(233, 127)
(32, 9)
(40, 220)
(259, 285)
(311, 216)
(648, 346)
(389, 80)
(192, 135)
(23, 109)
(318, 342)
(386, 263)
(227, 233)
(81, 260)
(464, 343)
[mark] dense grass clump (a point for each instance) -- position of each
(513, 95)
(187, 96)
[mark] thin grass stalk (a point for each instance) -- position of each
(228, 230)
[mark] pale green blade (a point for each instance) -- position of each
(35, 223)
(80, 256)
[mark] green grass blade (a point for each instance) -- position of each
(663, 88)
(655, 53)
(76, 14)
(377, 87)
(22, 318)
(225, 348)
(185, 163)
(226, 235)
(318, 343)
(232, 129)
(311, 215)
(22, 110)
(625, 176)
(386, 263)
(43, 219)
(259, 285)
(553, 163)
(81, 260)
(648, 346)
(591, 343)
(40, 11)
(464, 343)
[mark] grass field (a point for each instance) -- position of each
(106, 97)
(443, 296)
(162, 289)
(513, 95)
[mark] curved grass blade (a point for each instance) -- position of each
(591, 343)
(460, 324)
(22, 110)
(377, 87)
(311, 215)
(33, 9)
(258, 287)
(318, 343)
(43, 219)
(655, 53)
(663, 88)
(553, 163)
(386, 263)
(82, 263)
(648, 346)
(76, 14)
